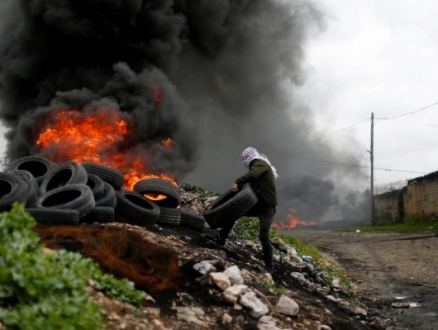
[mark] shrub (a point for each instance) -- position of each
(48, 291)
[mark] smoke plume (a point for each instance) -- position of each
(215, 76)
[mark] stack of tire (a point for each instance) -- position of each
(71, 193)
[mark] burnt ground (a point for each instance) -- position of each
(390, 268)
(192, 291)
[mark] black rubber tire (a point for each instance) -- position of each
(67, 173)
(229, 206)
(136, 209)
(109, 197)
(192, 221)
(107, 174)
(50, 217)
(12, 190)
(38, 166)
(159, 186)
(119, 218)
(169, 217)
(100, 214)
(72, 197)
(32, 188)
(97, 186)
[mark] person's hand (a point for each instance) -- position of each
(235, 187)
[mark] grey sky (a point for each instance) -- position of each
(381, 57)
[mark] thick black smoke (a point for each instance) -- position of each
(226, 70)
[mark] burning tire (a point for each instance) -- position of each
(38, 166)
(49, 217)
(109, 196)
(67, 173)
(159, 187)
(96, 185)
(12, 190)
(229, 207)
(192, 221)
(107, 174)
(32, 188)
(72, 197)
(100, 214)
(169, 216)
(136, 209)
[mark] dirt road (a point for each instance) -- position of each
(391, 268)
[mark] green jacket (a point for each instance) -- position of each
(262, 180)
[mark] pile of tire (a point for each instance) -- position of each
(72, 193)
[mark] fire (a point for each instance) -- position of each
(96, 137)
(292, 221)
(155, 197)
(158, 95)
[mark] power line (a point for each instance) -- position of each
(355, 165)
(408, 122)
(410, 113)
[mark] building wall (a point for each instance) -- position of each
(388, 208)
(419, 197)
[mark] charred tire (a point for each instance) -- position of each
(12, 190)
(32, 188)
(229, 207)
(107, 174)
(97, 186)
(159, 186)
(169, 216)
(192, 221)
(109, 196)
(50, 217)
(38, 166)
(119, 218)
(100, 214)
(72, 197)
(67, 173)
(136, 209)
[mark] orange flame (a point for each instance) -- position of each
(292, 222)
(155, 197)
(96, 137)
(158, 95)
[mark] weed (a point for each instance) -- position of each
(272, 287)
(49, 291)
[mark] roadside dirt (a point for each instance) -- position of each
(392, 269)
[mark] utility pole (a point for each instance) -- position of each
(372, 168)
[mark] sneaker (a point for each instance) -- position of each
(216, 239)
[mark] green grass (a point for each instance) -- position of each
(412, 224)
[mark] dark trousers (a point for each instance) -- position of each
(266, 216)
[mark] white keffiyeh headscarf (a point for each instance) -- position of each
(252, 154)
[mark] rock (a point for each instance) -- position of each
(325, 327)
(279, 244)
(400, 305)
(266, 319)
(360, 311)
(204, 267)
(220, 280)
(287, 306)
(267, 327)
(336, 283)
(255, 306)
(190, 314)
(233, 293)
(234, 275)
(226, 319)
